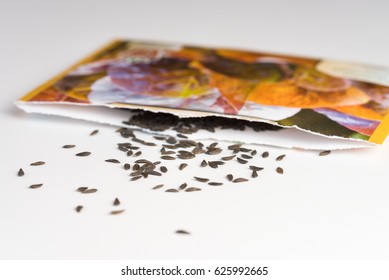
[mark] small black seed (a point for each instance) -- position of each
(265, 154)
(256, 168)
(204, 180)
(182, 166)
(204, 163)
(228, 158)
(242, 161)
(94, 132)
(246, 156)
(20, 172)
(281, 157)
(239, 180)
(158, 187)
(83, 154)
(116, 202)
(192, 189)
(230, 177)
(135, 178)
(279, 170)
(215, 184)
(68, 146)
(130, 153)
(171, 190)
(183, 186)
(163, 169)
(168, 158)
(180, 231)
(89, 191)
(112, 160)
(79, 208)
(136, 167)
(324, 153)
(254, 152)
(37, 163)
(134, 148)
(137, 154)
(127, 166)
(254, 174)
(35, 186)
(117, 212)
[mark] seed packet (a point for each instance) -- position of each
(321, 103)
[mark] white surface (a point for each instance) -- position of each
(322, 207)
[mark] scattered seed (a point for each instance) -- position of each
(158, 187)
(171, 140)
(230, 177)
(171, 190)
(203, 180)
(154, 173)
(256, 168)
(281, 157)
(79, 208)
(136, 167)
(112, 160)
(135, 178)
(20, 172)
(182, 136)
(89, 191)
(279, 170)
(160, 138)
(228, 158)
(182, 166)
(244, 150)
(35, 186)
(137, 154)
(204, 163)
(324, 153)
(254, 174)
(116, 202)
(68, 146)
(192, 189)
(239, 180)
(215, 184)
(265, 154)
(94, 132)
(117, 212)
(180, 231)
(234, 147)
(168, 158)
(81, 189)
(127, 166)
(130, 153)
(183, 186)
(83, 154)
(163, 169)
(254, 152)
(242, 161)
(37, 163)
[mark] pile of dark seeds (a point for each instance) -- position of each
(178, 148)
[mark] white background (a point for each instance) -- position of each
(333, 207)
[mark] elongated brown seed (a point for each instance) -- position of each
(281, 157)
(239, 180)
(203, 180)
(136, 178)
(228, 158)
(254, 174)
(279, 170)
(180, 231)
(35, 186)
(112, 160)
(215, 184)
(256, 168)
(94, 132)
(68, 146)
(89, 191)
(242, 161)
(37, 163)
(171, 190)
(83, 154)
(182, 186)
(324, 153)
(117, 212)
(79, 208)
(116, 202)
(158, 187)
(192, 189)
(20, 172)
(81, 189)
(168, 158)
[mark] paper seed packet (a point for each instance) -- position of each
(322, 104)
